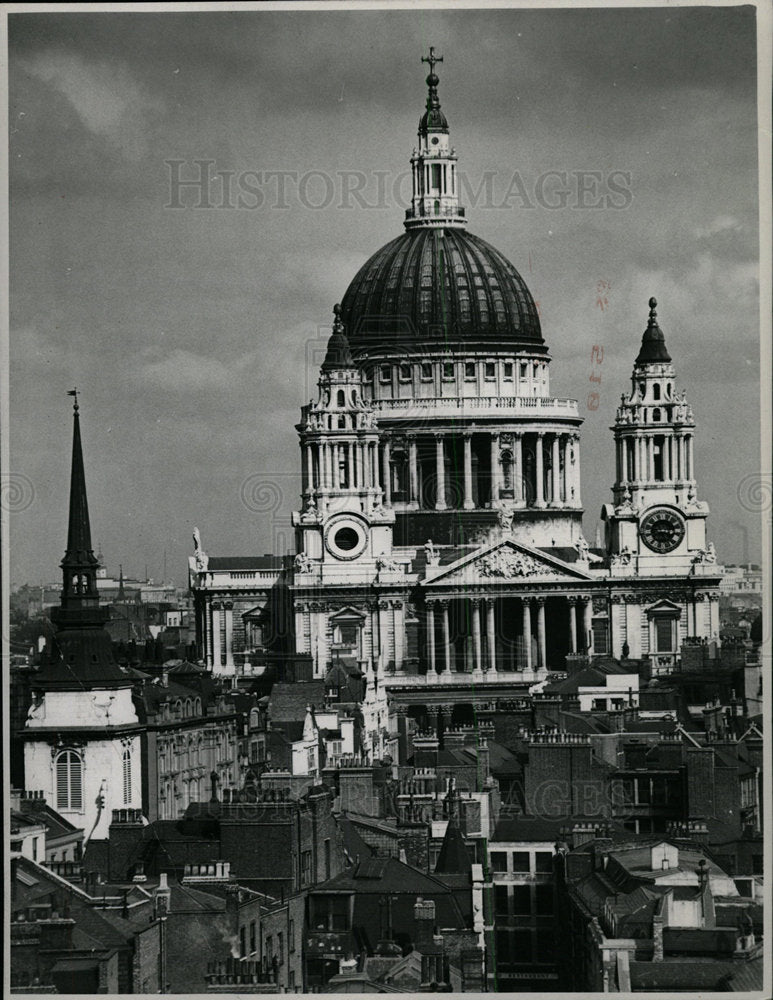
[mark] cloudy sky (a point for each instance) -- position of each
(194, 332)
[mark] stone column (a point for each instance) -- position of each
(572, 602)
(431, 661)
(495, 470)
(440, 472)
(413, 471)
(309, 468)
(587, 623)
(555, 473)
(476, 637)
(526, 629)
(518, 493)
(469, 503)
(350, 463)
(446, 637)
(540, 473)
(229, 633)
(541, 632)
(491, 633)
(690, 467)
(651, 457)
(387, 475)
(216, 654)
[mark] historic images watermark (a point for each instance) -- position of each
(206, 184)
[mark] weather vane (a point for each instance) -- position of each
(74, 392)
(431, 59)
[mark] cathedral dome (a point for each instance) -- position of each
(436, 286)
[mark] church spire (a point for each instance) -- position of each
(79, 565)
(435, 201)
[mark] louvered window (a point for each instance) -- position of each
(69, 780)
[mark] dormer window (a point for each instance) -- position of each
(426, 371)
(448, 371)
(405, 373)
(385, 375)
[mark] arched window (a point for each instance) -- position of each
(341, 398)
(188, 708)
(656, 413)
(127, 776)
(69, 780)
(656, 391)
(254, 719)
(198, 706)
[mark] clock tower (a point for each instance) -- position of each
(656, 524)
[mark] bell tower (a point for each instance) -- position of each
(656, 517)
(435, 200)
(343, 521)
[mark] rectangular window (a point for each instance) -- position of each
(242, 943)
(521, 899)
(521, 862)
(426, 371)
(500, 900)
(269, 948)
(643, 791)
(664, 642)
(544, 861)
(291, 937)
(524, 370)
(543, 900)
(327, 859)
(600, 635)
(405, 373)
(469, 370)
(385, 375)
(507, 372)
(305, 867)
(253, 938)
(280, 947)
(546, 946)
(448, 371)
(521, 952)
(491, 370)
(499, 861)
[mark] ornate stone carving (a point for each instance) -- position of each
(508, 563)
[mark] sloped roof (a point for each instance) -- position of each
(288, 701)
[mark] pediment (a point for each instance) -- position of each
(665, 606)
(347, 614)
(255, 612)
(504, 561)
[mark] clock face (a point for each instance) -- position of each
(662, 530)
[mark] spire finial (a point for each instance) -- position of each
(338, 323)
(432, 59)
(653, 313)
(74, 392)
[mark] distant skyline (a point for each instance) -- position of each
(194, 334)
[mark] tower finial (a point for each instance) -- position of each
(338, 323)
(653, 313)
(432, 59)
(74, 392)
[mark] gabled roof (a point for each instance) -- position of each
(454, 858)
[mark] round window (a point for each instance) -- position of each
(435, 140)
(346, 539)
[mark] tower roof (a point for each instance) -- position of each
(338, 353)
(433, 119)
(454, 859)
(653, 343)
